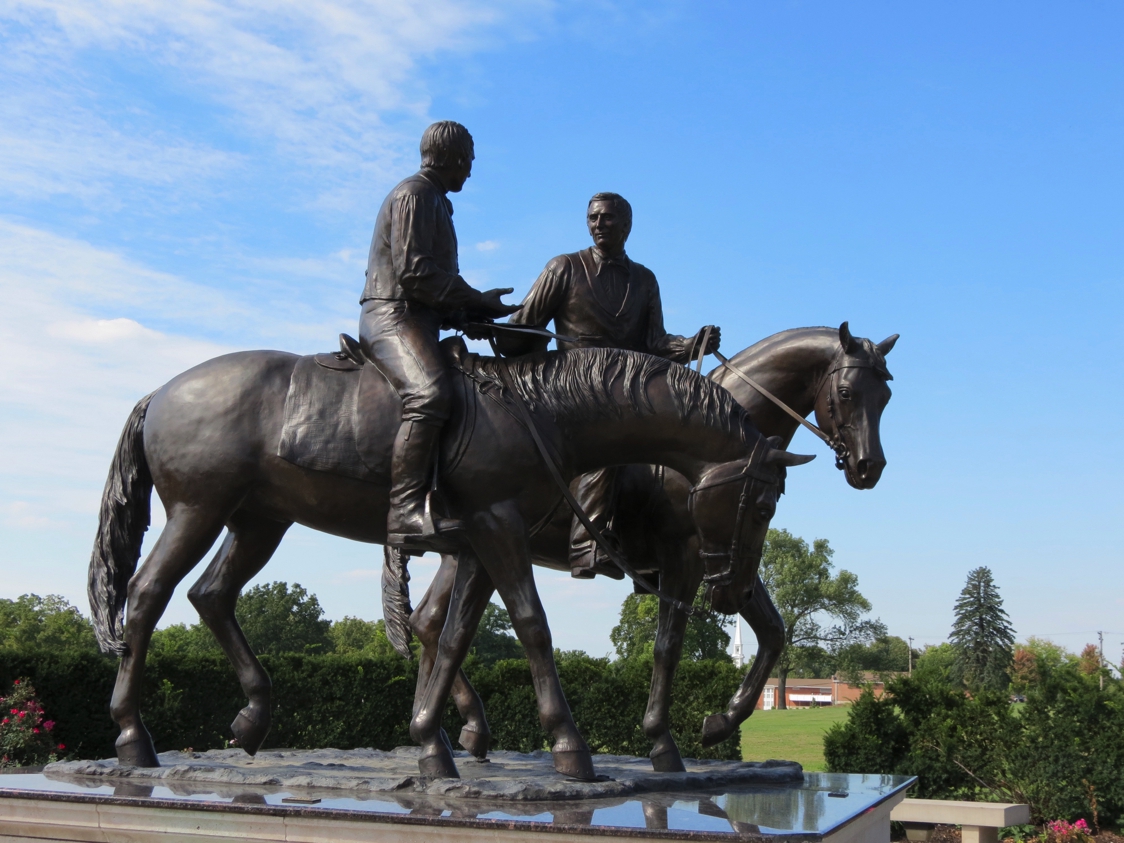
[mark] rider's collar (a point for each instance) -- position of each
(604, 259)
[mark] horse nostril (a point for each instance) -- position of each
(870, 468)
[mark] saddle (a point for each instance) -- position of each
(341, 414)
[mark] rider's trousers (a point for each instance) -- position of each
(400, 338)
(597, 494)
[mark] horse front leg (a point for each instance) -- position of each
(427, 621)
(500, 538)
(670, 633)
(468, 596)
(767, 624)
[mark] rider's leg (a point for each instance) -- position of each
(597, 494)
(400, 338)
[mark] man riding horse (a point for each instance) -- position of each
(413, 288)
(601, 298)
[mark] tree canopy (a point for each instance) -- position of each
(635, 635)
(48, 623)
(806, 593)
(494, 640)
(982, 638)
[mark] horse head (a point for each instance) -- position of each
(732, 505)
(849, 404)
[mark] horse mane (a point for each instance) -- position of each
(578, 384)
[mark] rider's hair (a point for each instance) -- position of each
(620, 203)
(445, 144)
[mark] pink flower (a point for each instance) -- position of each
(22, 714)
(5, 721)
(35, 731)
(62, 746)
(48, 724)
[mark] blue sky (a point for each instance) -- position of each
(177, 181)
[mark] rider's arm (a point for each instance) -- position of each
(660, 342)
(413, 229)
(542, 303)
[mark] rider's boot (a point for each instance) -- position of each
(587, 559)
(412, 525)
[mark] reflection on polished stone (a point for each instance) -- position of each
(809, 807)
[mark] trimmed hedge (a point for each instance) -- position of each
(348, 701)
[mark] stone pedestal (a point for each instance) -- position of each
(327, 796)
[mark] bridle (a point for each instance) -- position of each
(718, 565)
(836, 442)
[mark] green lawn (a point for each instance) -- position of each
(793, 735)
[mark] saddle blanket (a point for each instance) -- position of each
(341, 418)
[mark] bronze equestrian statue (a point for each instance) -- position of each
(601, 298)
(208, 442)
(841, 378)
(414, 287)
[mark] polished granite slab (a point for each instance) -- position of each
(815, 808)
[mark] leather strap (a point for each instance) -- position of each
(725, 362)
(564, 487)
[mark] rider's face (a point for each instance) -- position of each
(457, 174)
(606, 226)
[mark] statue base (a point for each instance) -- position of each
(333, 796)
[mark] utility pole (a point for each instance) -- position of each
(1100, 638)
(911, 657)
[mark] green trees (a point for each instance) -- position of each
(804, 590)
(635, 635)
(982, 638)
(494, 640)
(48, 623)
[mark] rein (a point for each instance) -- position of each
(564, 487)
(836, 442)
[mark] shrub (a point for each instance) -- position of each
(25, 733)
(1062, 752)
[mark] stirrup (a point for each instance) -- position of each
(438, 535)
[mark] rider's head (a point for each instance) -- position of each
(446, 146)
(609, 217)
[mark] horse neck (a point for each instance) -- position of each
(791, 365)
(660, 436)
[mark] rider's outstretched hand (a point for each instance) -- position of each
(711, 345)
(492, 307)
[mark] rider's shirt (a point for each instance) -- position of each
(604, 302)
(413, 253)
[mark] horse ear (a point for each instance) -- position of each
(775, 441)
(887, 345)
(787, 459)
(849, 343)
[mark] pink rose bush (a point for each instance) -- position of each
(25, 733)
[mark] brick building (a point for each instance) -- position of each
(803, 693)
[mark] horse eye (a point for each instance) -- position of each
(844, 393)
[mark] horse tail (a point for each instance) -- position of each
(396, 609)
(122, 523)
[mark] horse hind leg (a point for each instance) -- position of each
(427, 621)
(247, 548)
(188, 534)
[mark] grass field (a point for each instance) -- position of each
(793, 735)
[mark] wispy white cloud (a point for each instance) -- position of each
(331, 86)
(488, 246)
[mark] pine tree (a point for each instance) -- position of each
(982, 637)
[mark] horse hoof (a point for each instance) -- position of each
(439, 763)
(475, 742)
(575, 763)
(248, 731)
(716, 728)
(668, 761)
(135, 749)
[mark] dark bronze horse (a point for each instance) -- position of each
(208, 442)
(843, 379)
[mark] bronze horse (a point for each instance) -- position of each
(207, 442)
(840, 377)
